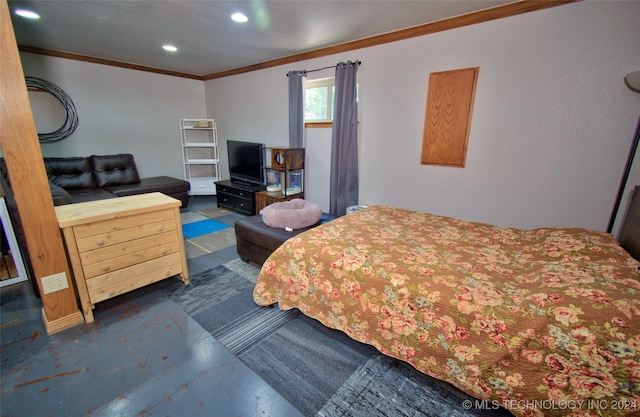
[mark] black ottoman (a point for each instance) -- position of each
(256, 241)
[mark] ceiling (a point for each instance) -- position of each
(208, 41)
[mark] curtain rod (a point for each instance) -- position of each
(333, 66)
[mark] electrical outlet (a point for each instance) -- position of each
(55, 282)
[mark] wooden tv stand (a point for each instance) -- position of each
(121, 244)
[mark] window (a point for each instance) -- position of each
(318, 100)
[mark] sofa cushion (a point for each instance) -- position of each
(166, 185)
(70, 172)
(81, 195)
(117, 169)
(173, 187)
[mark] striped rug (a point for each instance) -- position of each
(320, 371)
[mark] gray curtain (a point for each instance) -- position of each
(343, 184)
(296, 108)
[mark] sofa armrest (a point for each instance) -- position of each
(60, 195)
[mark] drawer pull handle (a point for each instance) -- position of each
(100, 242)
(106, 268)
(164, 251)
(160, 228)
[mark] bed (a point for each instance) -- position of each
(541, 322)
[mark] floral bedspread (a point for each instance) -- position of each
(541, 322)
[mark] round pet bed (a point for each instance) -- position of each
(292, 214)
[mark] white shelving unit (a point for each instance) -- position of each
(200, 155)
(20, 273)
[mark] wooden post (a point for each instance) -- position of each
(29, 182)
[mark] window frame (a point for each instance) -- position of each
(330, 83)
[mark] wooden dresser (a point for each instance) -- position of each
(121, 244)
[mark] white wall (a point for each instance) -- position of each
(121, 111)
(551, 128)
(250, 107)
(254, 107)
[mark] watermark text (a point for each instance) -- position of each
(589, 404)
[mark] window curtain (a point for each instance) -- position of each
(343, 183)
(296, 108)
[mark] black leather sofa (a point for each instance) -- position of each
(99, 177)
(96, 177)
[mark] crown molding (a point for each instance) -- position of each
(498, 12)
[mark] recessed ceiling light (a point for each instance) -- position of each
(239, 17)
(169, 48)
(27, 13)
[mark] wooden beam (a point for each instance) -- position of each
(30, 185)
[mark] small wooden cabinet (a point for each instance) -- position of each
(121, 244)
(264, 198)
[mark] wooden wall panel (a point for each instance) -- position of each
(448, 117)
(30, 185)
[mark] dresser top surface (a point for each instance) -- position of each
(112, 208)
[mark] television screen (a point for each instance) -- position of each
(245, 161)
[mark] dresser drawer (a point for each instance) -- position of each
(124, 280)
(123, 235)
(237, 192)
(239, 203)
(228, 197)
(122, 255)
(106, 226)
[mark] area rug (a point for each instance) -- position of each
(320, 371)
(202, 227)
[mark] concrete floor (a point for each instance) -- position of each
(143, 356)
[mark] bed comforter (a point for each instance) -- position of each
(541, 322)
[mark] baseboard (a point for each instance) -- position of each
(55, 326)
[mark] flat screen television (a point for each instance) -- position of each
(245, 161)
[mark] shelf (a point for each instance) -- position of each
(215, 179)
(200, 157)
(199, 145)
(283, 170)
(201, 161)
